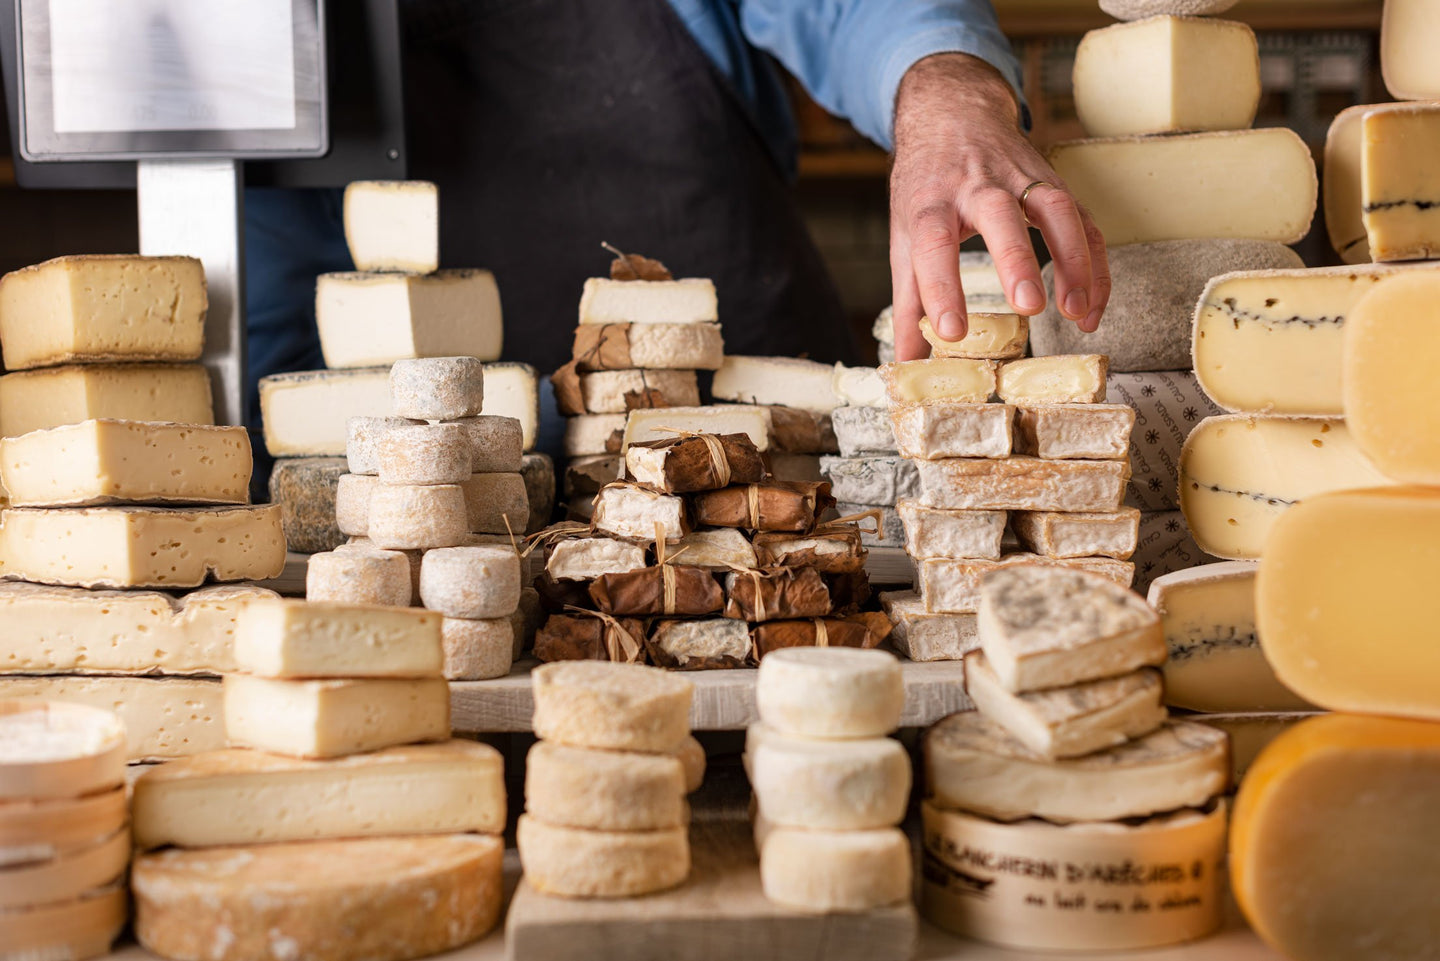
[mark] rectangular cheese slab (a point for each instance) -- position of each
(305, 639)
(115, 461)
(270, 797)
(870, 480)
(370, 319)
(987, 336)
(783, 381)
(54, 630)
(393, 225)
(650, 346)
(332, 718)
(512, 389)
(1057, 379)
(39, 399)
(619, 391)
(1409, 33)
(940, 378)
(929, 431)
(1239, 473)
(1079, 534)
(1023, 484)
(749, 419)
(922, 636)
(1399, 188)
(689, 300)
(952, 586)
(931, 532)
(863, 431)
(306, 413)
(91, 308)
(1255, 184)
(164, 717)
(1341, 189)
(141, 546)
(595, 435)
(1074, 431)
(1167, 74)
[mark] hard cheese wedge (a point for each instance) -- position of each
(1408, 35)
(1257, 184)
(787, 381)
(1399, 189)
(113, 461)
(142, 546)
(308, 639)
(1342, 185)
(1239, 473)
(38, 399)
(393, 225)
(1344, 601)
(1332, 854)
(163, 717)
(690, 300)
(370, 319)
(1167, 75)
(306, 414)
(102, 308)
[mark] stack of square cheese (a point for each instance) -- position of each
(1070, 730)
(869, 473)
(605, 786)
(831, 787)
(398, 305)
(311, 833)
(64, 830)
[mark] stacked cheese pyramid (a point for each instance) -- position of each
(64, 832)
(1071, 750)
(830, 786)
(605, 812)
(310, 833)
(704, 504)
(398, 305)
(432, 503)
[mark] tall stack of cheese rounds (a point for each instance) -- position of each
(830, 786)
(310, 832)
(1088, 819)
(64, 830)
(605, 811)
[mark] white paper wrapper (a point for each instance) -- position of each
(1168, 406)
(1165, 546)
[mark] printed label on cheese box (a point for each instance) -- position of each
(1168, 405)
(1164, 547)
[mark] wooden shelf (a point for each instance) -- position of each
(1041, 18)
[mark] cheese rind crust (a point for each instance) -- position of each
(617, 707)
(604, 790)
(575, 863)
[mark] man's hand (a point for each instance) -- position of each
(961, 166)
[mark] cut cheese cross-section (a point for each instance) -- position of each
(1398, 188)
(307, 413)
(650, 346)
(921, 636)
(164, 717)
(784, 381)
(304, 639)
(1239, 473)
(987, 336)
(689, 300)
(1409, 32)
(1023, 484)
(102, 308)
(952, 585)
(940, 378)
(619, 391)
(366, 320)
(948, 429)
(1255, 184)
(38, 399)
(1059, 379)
(641, 426)
(393, 225)
(50, 751)
(332, 718)
(513, 390)
(1342, 190)
(1059, 534)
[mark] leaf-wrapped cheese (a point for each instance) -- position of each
(796, 431)
(635, 513)
(831, 549)
(780, 593)
(773, 506)
(858, 630)
(578, 637)
(849, 590)
(696, 462)
(668, 589)
(715, 643)
(557, 595)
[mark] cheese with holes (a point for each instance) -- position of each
(53, 630)
(940, 378)
(142, 546)
(945, 429)
(1398, 188)
(1167, 74)
(987, 336)
(921, 636)
(377, 899)
(54, 751)
(972, 764)
(647, 425)
(1023, 484)
(393, 225)
(1074, 431)
(931, 532)
(332, 718)
(870, 480)
(862, 431)
(369, 319)
(1238, 474)
(1373, 782)
(270, 797)
(1034, 886)
(830, 692)
(1044, 627)
(1079, 535)
(613, 707)
(164, 717)
(1255, 184)
(858, 387)
(307, 413)
(40, 399)
(952, 585)
(1060, 379)
(92, 308)
(604, 790)
(688, 300)
(578, 863)
(1343, 600)
(829, 785)
(835, 871)
(784, 381)
(1341, 188)
(1408, 34)
(306, 639)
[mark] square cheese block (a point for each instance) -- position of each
(782, 381)
(619, 391)
(932, 532)
(332, 718)
(306, 639)
(91, 308)
(393, 225)
(929, 431)
(862, 431)
(513, 390)
(307, 413)
(646, 425)
(648, 346)
(952, 585)
(940, 378)
(1058, 379)
(164, 717)
(1239, 473)
(690, 300)
(870, 480)
(1409, 33)
(1059, 534)
(1342, 190)
(113, 461)
(1398, 189)
(1074, 431)
(1167, 75)
(55, 630)
(1023, 484)
(858, 386)
(987, 336)
(1186, 187)
(922, 636)
(141, 546)
(369, 319)
(40, 399)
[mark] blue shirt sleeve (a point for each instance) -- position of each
(852, 54)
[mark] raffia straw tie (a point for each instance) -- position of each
(718, 459)
(756, 579)
(822, 633)
(619, 644)
(752, 499)
(667, 579)
(872, 515)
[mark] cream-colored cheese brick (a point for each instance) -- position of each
(1342, 191)
(952, 585)
(850, 785)
(307, 413)
(921, 636)
(416, 517)
(689, 300)
(617, 391)
(604, 790)
(497, 443)
(863, 431)
(40, 399)
(393, 225)
(314, 639)
(270, 797)
(477, 650)
(1398, 190)
(640, 426)
(164, 717)
(930, 431)
(332, 718)
(636, 513)
(370, 319)
(471, 582)
(437, 388)
(576, 863)
(940, 378)
(496, 503)
(352, 503)
(772, 381)
(424, 454)
(1074, 431)
(839, 871)
(931, 532)
(1023, 484)
(1059, 379)
(593, 434)
(858, 387)
(830, 692)
(617, 707)
(586, 558)
(987, 336)
(1054, 534)
(141, 546)
(103, 308)
(359, 577)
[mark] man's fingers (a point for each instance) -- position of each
(934, 256)
(909, 343)
(1100, 268)
(997, 216)
(1054, 212)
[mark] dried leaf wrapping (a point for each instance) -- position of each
(602, 347)
(710, 644)
(771, 506)
(568, 396)
(635, 267)
(666, 590)
(830, 550)
(558, 595)
(576, 637)
(695, 462)
(859, 630)
(796, 431)
(646, 399)
(782, 593)
(849, 590)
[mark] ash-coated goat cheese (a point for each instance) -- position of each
(370, 319)
(393, 225)
(438, 388)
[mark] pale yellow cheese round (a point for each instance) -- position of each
(67, 876)
(39, 830)
(604, 790)
(77, 929)
(477, 650)
(617, 707)
(58, 750)
(846, 785)
(575, 863)
(831, 692)
(835, 870)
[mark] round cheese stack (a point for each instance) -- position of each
(601, 864)
(477, 650)
(471, 582)
(1075, 887)
(66, 877)
(692, 758)
(359, 577)
(437, 388)
(828, 785)
(835, 870)
(424, 454)
(352, 503)
(39, 830)
(617, 707)
(362, 441)
(54, 750)
(496, 443)
(416, 517)
(832, 692)
(82, 928)
(378, 899)
(604, 790)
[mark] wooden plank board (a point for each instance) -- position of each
(720, 912)
(724, 700)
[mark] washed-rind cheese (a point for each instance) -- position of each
(940, 378)
(931, 532)
(615, 707)
(103, 308)
(84, 927)
(783, 381)
(393, 225)
(946, 429)
(648, 346)
(604, 790)
(828, 785)
(370, 319)
(307, 414)
(1370, 781)
(577, 863)
(858, 387)
(1142, 189)
(870, 480)
(59, 750)
(987, 336)
(1023, 484)
(56, 396)
(952, 585)
(830, 692)
(1397, 188)
(688, 300)
(619, 391)
(1408, 34)
(270, 797)
(311, 639)
(1074, 431)
(972, 764)
(863, 431)
(921, 636)
(835, 871)
(376, 899)
(1343, 193)
(142, 546)
(1239, 474)
(1054, 534)
(164, 717)
(332, 718)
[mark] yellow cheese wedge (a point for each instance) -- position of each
(1332, 853)
(1344, 204)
